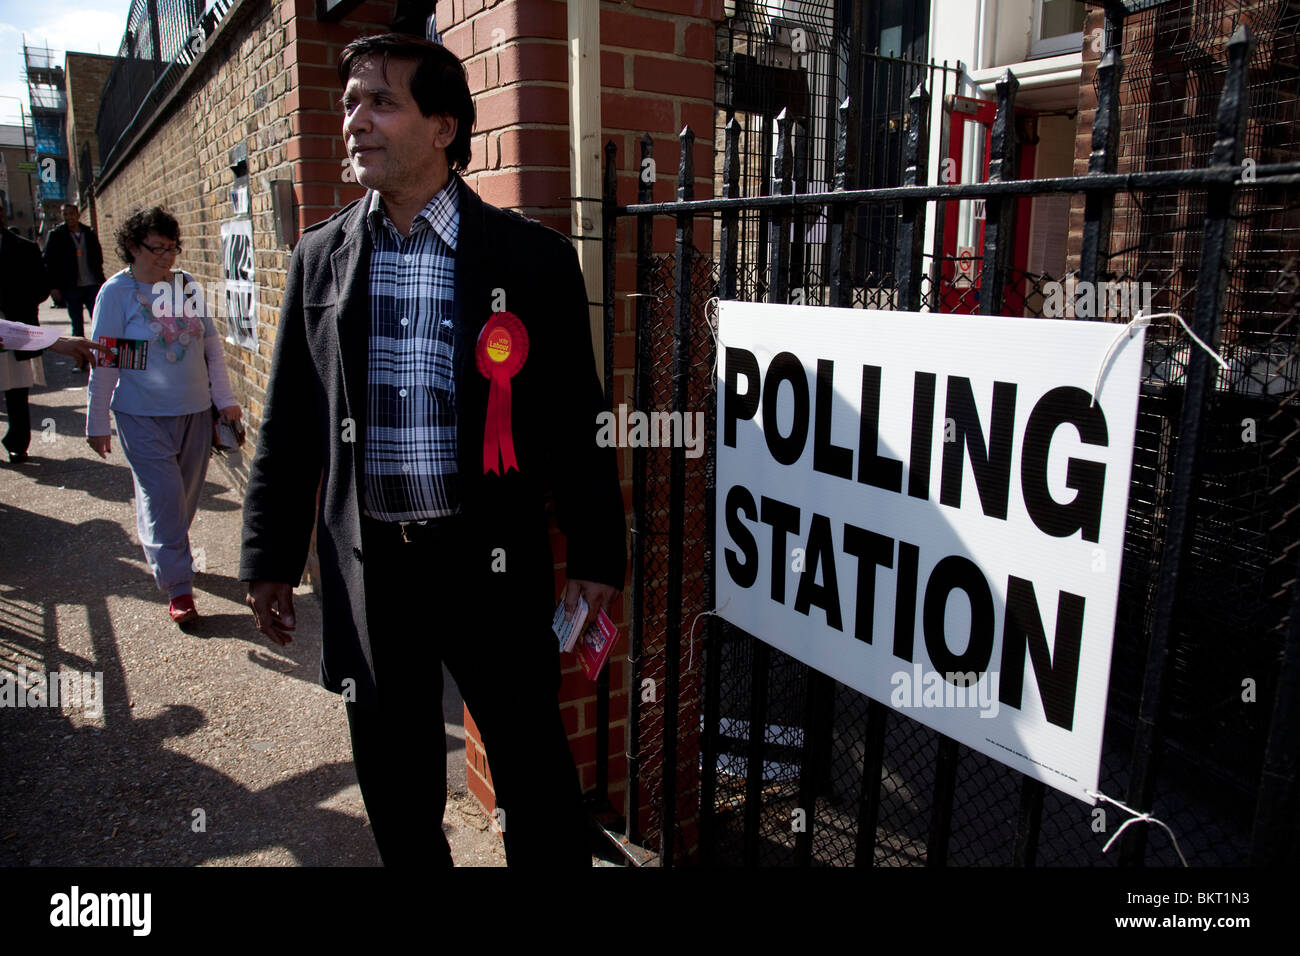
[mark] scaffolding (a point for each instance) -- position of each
(48, 101)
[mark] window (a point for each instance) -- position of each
(1057, 28)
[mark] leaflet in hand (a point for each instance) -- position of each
(567, 627)
(126, 353)
(597, 641)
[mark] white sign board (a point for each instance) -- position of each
(931, 510)
(237, 273)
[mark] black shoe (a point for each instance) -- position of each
(17, 457)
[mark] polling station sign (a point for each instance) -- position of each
(931, 510)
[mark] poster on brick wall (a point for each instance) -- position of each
(237, 273)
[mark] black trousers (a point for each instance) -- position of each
(19, 433)
(75, 300)
(425, 607)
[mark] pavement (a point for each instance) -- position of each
(207, 747)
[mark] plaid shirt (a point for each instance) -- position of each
(410, 453)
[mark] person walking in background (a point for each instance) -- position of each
(161, 396)
(75, 263)
(23, 287)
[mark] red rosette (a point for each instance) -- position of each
(500, 353)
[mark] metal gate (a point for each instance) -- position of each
(738, 735)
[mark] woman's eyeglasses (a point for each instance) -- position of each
(162, 250)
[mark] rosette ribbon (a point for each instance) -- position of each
(500, 354)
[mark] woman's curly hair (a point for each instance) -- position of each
(142, 222)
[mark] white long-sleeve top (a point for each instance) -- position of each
(185, 366)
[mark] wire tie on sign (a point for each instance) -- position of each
(711, 313)
(1137, 817)
(1138, 321)
(714, 613)
(1141, 321)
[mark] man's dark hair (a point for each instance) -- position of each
(71, 205)
(142, 222)
(438, 85)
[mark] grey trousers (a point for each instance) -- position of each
(168, 455)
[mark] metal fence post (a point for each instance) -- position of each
(1273, 838)
(778, 235)
(640, 400)
(1216, 243)
(999, 213)
(683, 252)
(608, 244)
(712, 627)
(841, 219)
(911, 229)
(798, 244)
(873, 761)
(1099, 205)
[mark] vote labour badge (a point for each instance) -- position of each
(501, 350)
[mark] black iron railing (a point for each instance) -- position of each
(162, 39)
(741, 733)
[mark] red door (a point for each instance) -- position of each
(963, 229)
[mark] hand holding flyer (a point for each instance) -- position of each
(124, 353)
(567, 626)
(597, 642)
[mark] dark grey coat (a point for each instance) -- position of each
(317, 388)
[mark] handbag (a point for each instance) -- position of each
(226, 436)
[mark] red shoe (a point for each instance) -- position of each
(182, 609)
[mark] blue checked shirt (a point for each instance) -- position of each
(410, 453)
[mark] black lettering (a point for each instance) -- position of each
(741, 501)
(909, 561)
(956, 571)
(992, 463)
(874, 469)
(1057, 679)
(871, 550)
(785, 367)
(820, 554)
(1087, 478)
(734, 405)
(828, 458)
(784, 520)
(918, 463)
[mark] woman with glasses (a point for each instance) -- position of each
(168, 372)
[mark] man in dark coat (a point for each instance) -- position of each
(75, 263)
(23, 287)
(433, 374)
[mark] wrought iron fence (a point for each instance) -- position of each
(162, 39)
(743, 733)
